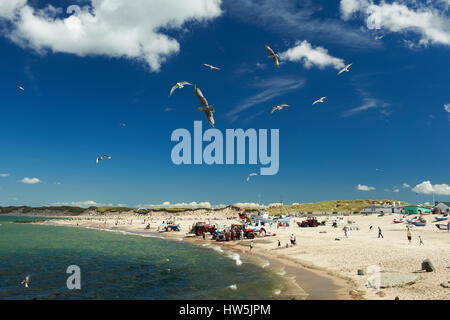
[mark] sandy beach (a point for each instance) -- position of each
(324, 262)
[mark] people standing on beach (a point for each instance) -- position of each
(370, 229)
(380, 234)
(279, 243)
(251, 245)
(204, 235)
(345, 231)
(292, 239)
(408, 233)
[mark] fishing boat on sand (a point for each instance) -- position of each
(441, 226)
(420, 222)
(442, 218)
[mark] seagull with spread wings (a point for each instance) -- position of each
(99, 159)
(273, 55)
(179, 85)
(21, 88)
(251, 175)
(319, 101)
(345, 69)
(205, 107)
(279, 107)
(379, 37)
(211, 67)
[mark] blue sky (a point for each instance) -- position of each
(384, 124)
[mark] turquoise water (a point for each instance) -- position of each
(121, 266)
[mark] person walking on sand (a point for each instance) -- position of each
(279, 243)
(345, 231)
(408, 233)
(370, 229)
(380, 234)
(292, 240)
(421, 242)
(251, 245)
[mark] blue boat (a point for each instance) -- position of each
(419, 224)
(441, 218)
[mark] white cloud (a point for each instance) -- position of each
(406, 186)
(86, 204)
(368, 103)
(112, 28)
(447, 107)
(30, 180)
(270, 89)
(298, 19)
(362, 187)
(83, 204)
(8, 8)
(311, 57)
(429, 21)
(427, 188)
(249, 205)
(349, 7)
(390, 190)
(275, 204)
(4, 175)
(167, 204)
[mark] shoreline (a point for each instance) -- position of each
(299, 282)
(325, 252)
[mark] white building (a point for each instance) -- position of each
(382, 209)
(443, 207)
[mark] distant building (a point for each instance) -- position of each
(441, 207)
(382, 209)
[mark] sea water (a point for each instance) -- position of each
(117, 265)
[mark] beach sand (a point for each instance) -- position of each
(320, 265)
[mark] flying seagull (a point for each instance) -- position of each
(211, 67)
(379, 37)
(251, 175)
(345, 69)
(102, 157)
(273, 55)
(205, 107)
(279, 107)
(319, 101)
(26, 281)
(21, 88)
(123, 124)
(179, 85)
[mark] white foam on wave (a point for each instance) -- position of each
(236, 257)
(265, 264)
(282, 273)
(217, 248)
(277, 291)
(233, 287)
